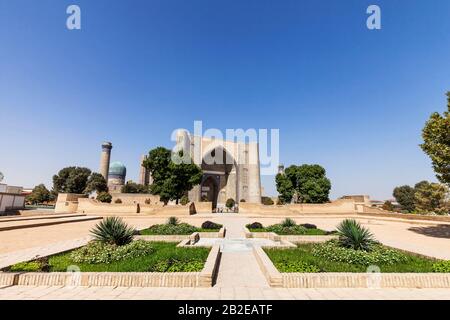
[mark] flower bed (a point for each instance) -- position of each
(288, 227)
(138, 256)
(174, 227)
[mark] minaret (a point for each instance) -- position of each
(143, 173)
(105, 159)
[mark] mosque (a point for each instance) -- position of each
(230, 169)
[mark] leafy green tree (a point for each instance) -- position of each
(104, 197)
(171, 180)
(308, 182)
(388, 206)
(71, 180)
(132, 187)
(432, 197)
(40, 194)
(285, 188)
(436, 137)
(96, 182)
(230, 203)
(404, 195)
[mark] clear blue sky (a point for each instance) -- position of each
(350, 99)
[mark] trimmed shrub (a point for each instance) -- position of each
(104, 197)
(242, 200)
(211, 225)
(97, 252)
(309, 226)
(255, 225)
(331, 250)
(230, 203)
(352, 235)
(184, 200)
(147, 201)
(267, 201)
(113, 230)
(118, 201)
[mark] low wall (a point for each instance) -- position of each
(203, 207)
(135, 198)
(338, 206)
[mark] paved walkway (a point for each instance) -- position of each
(216, 293)
(238, 266)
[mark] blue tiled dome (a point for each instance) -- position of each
(117, 168)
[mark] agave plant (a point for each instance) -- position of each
(287, 223)
(353, 235)
(113, 230)
(173, 221)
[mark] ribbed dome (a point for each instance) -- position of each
(117, 168)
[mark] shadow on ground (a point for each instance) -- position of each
(440, 231)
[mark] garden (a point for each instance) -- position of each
(114, 249)
(354, 250)
(174, 227)
(288, 227)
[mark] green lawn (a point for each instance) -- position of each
(309, 232)
(300, 259)
(166, 258)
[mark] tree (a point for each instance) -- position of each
(104, 197)
(71, 180)
(171, 180)
(40, 194)
(230, 203)
(432, 197)
(404, 195)
(132, 187)
(436, 137)
(96, 182)
(308, 182)
(388, 206)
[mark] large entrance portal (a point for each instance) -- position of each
(219, 177)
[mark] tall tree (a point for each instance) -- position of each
(71, 180)
(40, 194)
(308, 182)
(436, 137)
(171, 180)
(132, 187)
(404, 195)
(96, 182)
(432, 197)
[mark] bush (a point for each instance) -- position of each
(282, 230)
(242, 200)
(309, 226)
(230, 203)
(173, 221)
(118, 201)
(441, 266)
(204, 199)
(184, 200)
(288, 222)
(169, 229)
(296, 266)
(211, 225)
(98, 252)
(255, 225)
(379, 255)
(266, 201)
(113, 230)
(147, 201)
(104, 197)
(353, 235)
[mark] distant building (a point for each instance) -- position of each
(11, 198)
